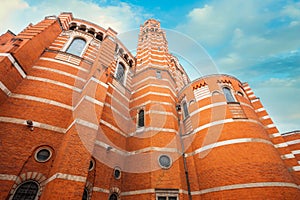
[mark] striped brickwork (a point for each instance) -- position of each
(78, 108)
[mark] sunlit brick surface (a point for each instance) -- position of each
(79, 108)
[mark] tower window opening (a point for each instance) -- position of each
(27, 190)
(228, 95)
(77, 46)
(120, 75)
(158, 74)
(141, 118)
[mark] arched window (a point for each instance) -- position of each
(113, 196)
(228, 94)
(158, 74)
(73, 26)
(120, 73)
(27, 191)
(85, 195)
(99, 36)
(77, 46)
(185, 110)
(91, 31)
(141, 118)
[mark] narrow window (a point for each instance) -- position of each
(141, 118)
(77, 46)
(185, 110)
(120, 73)
(27, 190)
(117, 48)
(130, 63)
(158, 74)
(228, 94)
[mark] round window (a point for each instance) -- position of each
(92, 165)
(164, 161)
(42, 155)
(117, 173)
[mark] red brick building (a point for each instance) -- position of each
(82, 118)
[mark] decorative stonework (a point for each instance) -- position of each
(35, 176)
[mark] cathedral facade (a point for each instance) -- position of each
(83, 118)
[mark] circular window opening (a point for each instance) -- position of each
(164, 161)
(42, 155)
(117, 173)
(92, 165)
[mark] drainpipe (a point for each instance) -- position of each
(183, 156)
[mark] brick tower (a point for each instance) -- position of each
(83, 118)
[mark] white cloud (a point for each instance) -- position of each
(8, 11)
(10, 6)
(120, 17)
(292, 10)
(243, 37)
(279, 99)
(244, 29)
(215, 22)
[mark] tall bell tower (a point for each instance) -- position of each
(152, 48)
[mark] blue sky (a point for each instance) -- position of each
(256, 41)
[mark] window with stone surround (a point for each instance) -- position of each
(141, 118)
(228, 95)
(43, 154)
(113, 196)
(185, 110)
(27, 190)
(167, 194)
(120, 74)
(77, 46)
